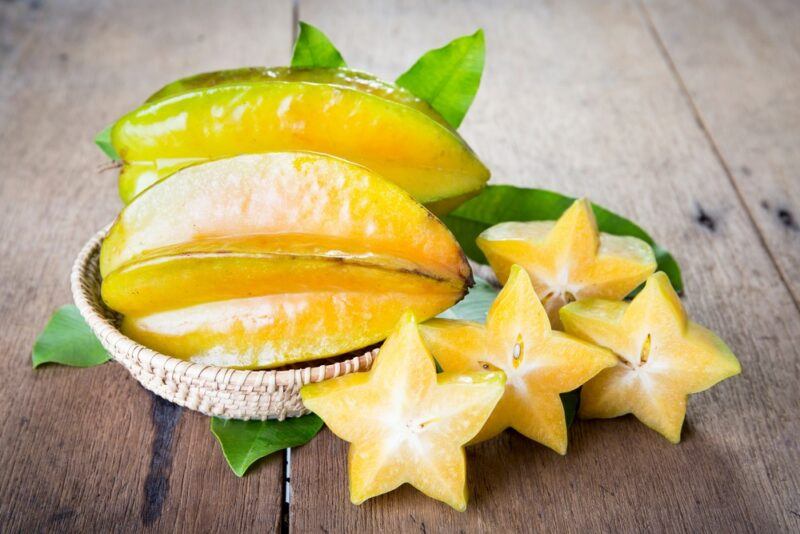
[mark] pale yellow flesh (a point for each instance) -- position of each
(405, 423)
(662, 357)
(569, 259)
(539, 363)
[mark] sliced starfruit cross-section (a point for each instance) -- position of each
(404, 422)
(262, 260)
(332, 111)
(662, 357)
(569, 259)
(539, 362)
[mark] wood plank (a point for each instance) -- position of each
(740, 62)
(90, 450)
(577, 97)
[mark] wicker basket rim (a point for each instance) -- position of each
(122, 344)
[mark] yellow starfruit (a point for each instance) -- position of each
(333, 111)
(539, 362)
(405, 423)
(569, 259)
(262, 260)
(662, 357)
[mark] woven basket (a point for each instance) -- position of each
(212, 390)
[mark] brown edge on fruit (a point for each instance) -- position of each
(154, 254)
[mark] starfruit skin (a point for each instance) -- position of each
(333, 111)
(405, 422)
(343, 77)
(662, 357)
(262, 260)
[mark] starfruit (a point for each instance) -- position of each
(539, 362)
(662, 357)
(332, 111)
(262, 260)
(569, 259)
(405, 423)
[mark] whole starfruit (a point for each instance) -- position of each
(340, 112)
(262, 260)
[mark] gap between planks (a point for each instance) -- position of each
(701, 123)
(286, 490)
(295, 23)
(286, 501)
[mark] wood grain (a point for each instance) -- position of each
(610, 100)
(90, 450)
(740, 62)
(578, 97)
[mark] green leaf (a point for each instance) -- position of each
(571, 401)
(500, 203)
(103, 140)
(447, 78)
(475, 306)
(68, 340)
(313, 49)
(244, 442)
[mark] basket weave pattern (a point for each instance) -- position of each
(217, 391)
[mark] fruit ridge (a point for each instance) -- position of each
(343, 77)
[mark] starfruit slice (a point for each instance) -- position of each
(262, 260)
(405, 423)
(662, 357)
(539, 362)
(333, 111)
(569, 259)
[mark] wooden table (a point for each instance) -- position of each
(685, 118)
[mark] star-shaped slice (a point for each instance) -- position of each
(405, 423)
(569, 259)
(539, 362)
(662, 357)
